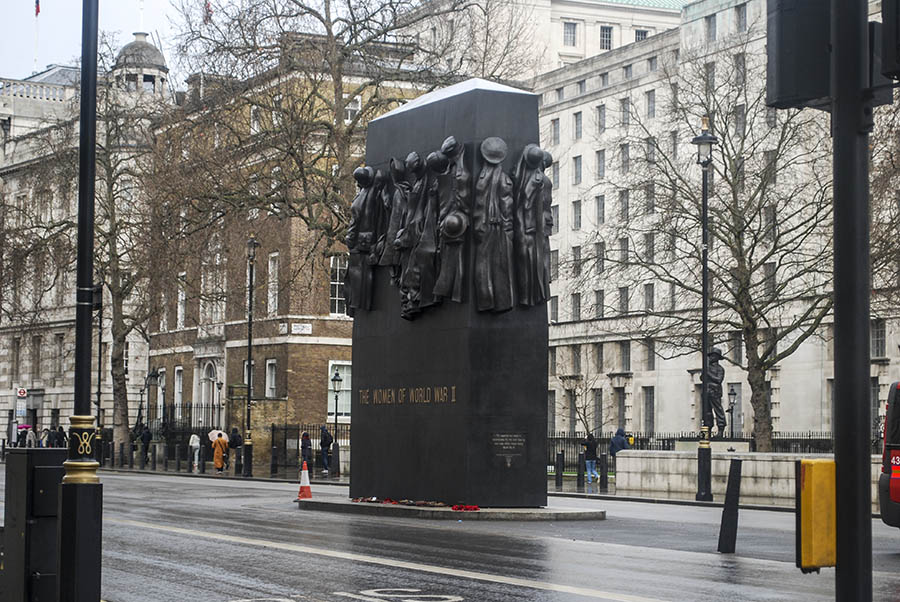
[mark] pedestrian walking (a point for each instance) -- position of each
(146, 438)
(31, 439)
(618, 443)
(305, 450)
(61, 439)
(194, 446)
(51, 438)
(590, 456)
(324, 443)
(220, 446)
(44, 440)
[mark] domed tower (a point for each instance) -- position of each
(140, 66)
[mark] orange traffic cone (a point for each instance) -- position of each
(305, 492)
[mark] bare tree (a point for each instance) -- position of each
(770, 220)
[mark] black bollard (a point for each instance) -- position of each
(177, 458)
(728, 529)
(112, 454)
(121, 455)
(202, 466)
(273, 464)
(579, 480)
(131, 456)
(142, 463)
(560, 462)
(603, 463)
(165, 457)
(153, 457)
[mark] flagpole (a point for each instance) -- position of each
(37, 12)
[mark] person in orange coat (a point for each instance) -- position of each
(220, 446)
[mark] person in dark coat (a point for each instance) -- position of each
(618, 443)
(306, 450)
(324, 443)
(234, 442)
(146, 438)
(61, 439)
(590, 456)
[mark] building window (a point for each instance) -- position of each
(576, 125)
(576, 215)
(652, 64)
(604, 79)
(126, 353)
(344, 369)
(554, 131)
(710, 81)
(878, 337)
(623, 299)
(179, 390)
(770, 227)
(673, 290)
(625, 110)
(650, 198)
(673, 139)
(182, 300)
(650, 98)
(576, 261)
(770, 167)
(601, 164)
(740, 17)
(576, 169)
(769, 279)
(651, 149)
(710, 26)
(36, 358)
(649, 294)
(569, 34)
(650, 348)
(625, 153)
(272, 284)
(640, 35)
(599, 312)
(623, 250)
(554, 309)
(164, 312)
(576, 359)
(255, 120)
(771, 117)
(271, 373)
(581, 85)
(554, 264)
(600, 252)
(560, 94)
(576, 308)
(60, 355)
(649, 410)
(554, 215)
(649, 247)
(600, 201)
(551, 411)
(625, 355)
(627, 72)
(606, 37)
(161, 392)
(601, 119)
(554, 170)
(336, 294)
(623, 205)
(737, 347)
(740, 69)
(551, 361)
(598, 409)
(740, 120)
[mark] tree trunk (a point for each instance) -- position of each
(121, 428)
(759, 399)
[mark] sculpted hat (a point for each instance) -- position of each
(493, 150)
(715, 351)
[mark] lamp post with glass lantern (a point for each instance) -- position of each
(732, 397)
(151, 380)
(252, 245)
(704, 142)
(335, 466)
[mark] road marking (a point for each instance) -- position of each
(389, 562)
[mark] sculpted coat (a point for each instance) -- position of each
(453, 221)
(493, 229)
(531, 283)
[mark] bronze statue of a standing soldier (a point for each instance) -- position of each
(714, 376)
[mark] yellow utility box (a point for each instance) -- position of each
(816, 515)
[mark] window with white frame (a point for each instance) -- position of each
(570, 31)
(182, 300)
(272, 284)
(351, 108)
(255, 120)
(606, 34)
(276, 110)
(161, 393)
(640, 35)
(344, 369)
(164, 313)
(338, 271)
(271, 373)
(179, 390)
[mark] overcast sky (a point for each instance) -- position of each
(59, 31)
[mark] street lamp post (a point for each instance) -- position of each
(151, 380)
(81, 495)
(335, 448)
(732, 397)
(705, 142)
(98, 307)
(252, 245)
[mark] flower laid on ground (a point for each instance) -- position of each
(465, 508)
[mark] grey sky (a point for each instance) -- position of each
(59, 35)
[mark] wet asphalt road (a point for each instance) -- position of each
(174, 538)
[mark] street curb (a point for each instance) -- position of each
(445, 513)
(220, 477)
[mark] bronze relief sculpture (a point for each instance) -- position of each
(453, 221)
(528, 235)
(365, 213)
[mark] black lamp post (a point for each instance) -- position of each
(732, 397)
(98, 307)
(705, 142)
(335, 448)
(151, 380)
(252, 245)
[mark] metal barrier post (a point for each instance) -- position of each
(579, 480)
(603, 461)
(560, 463)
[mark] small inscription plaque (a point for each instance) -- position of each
(506, 447)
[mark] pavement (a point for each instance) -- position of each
(168, 538)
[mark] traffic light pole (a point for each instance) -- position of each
(851, 119)
(81, 494)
